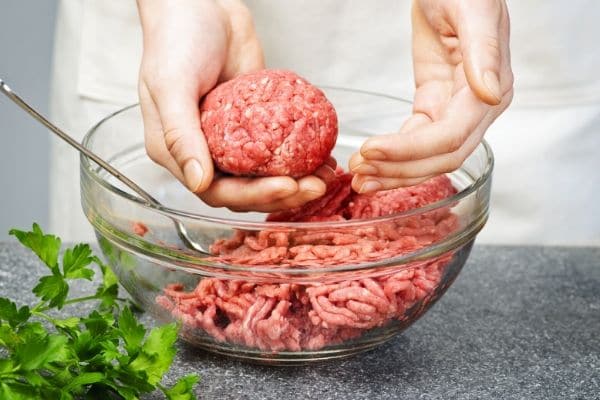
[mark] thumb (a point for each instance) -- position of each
(482, 27)
(180, 118)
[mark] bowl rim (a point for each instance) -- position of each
(87, 163)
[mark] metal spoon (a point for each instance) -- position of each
(179, 227)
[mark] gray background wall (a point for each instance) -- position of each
(26, 38)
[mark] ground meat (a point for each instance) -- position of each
(393, 201)
(330, 204)
(268, 123)
(291, 317)
(294, 317)
(341, 201)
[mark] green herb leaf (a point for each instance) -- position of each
(108, 292)
(17, 391)
(46, 247)
(98, 323)
(128, 393)
(67, 323)
(107, 296)
(108, 276)
(39, 351)
(84, 379)
(76, 260)
(133, 332)
(52, 288)
(157, 353)
(105, 354)
(6, 365)
(31, 331)
(8, 336)
(34, 378)
(65, 396)
(183, 389)
(12, 315)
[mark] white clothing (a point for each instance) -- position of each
(96, 59)
(545, 181)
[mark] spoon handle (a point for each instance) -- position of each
(64, 136)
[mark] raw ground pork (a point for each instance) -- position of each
(293, 317)
(268, 123)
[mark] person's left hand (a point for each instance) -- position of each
(463, 82)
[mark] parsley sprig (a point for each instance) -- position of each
(107, 354)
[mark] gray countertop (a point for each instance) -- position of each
(519, 323)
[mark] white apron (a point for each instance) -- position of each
(546, 180)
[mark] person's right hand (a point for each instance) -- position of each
(189, 47)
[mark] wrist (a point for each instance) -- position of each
(154, 13)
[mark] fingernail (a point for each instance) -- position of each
(365, 169)
(193, 174)
(493, 84)
(370, 186)
(373, 155)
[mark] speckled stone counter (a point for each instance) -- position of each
(519, 323)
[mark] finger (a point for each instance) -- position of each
(506, 74)
(248, 59)
(415, 121)
(263, 194)
(153, 134)
(309, 188)
(356, 160)
(359, 165)
(426, 167)
(247, 193)
(479, 27)
(183, 137)
(245, 52)
(367, 184)
(463, 114)
(434, 165)
(431, 99)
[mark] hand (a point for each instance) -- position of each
(463, 83)
(189, 47)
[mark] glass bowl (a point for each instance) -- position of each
(287, 309)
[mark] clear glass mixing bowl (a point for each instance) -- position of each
(280, 312)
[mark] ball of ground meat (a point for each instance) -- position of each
(268, 123)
